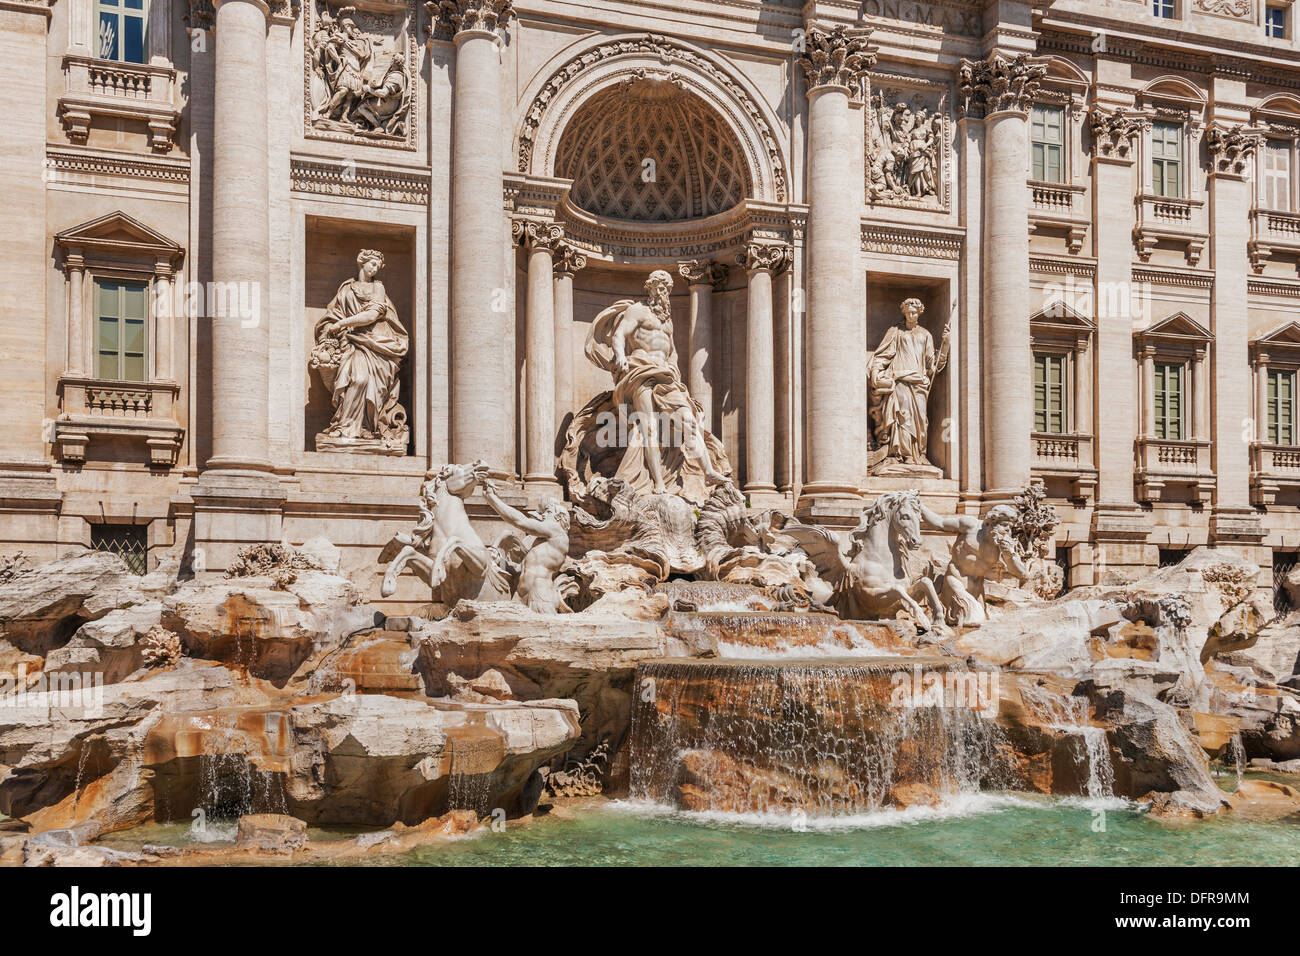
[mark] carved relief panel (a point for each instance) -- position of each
(908, 143)
(360, 72)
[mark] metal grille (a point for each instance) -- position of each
(1283, 563)
(128, 541)
(1171, 556)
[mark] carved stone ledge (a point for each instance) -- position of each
(131, 91)
(130, 411)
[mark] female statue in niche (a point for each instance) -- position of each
(900, 375)
(360, 344)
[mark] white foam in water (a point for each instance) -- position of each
(1069, 715)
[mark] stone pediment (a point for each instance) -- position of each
(1179, 327)
(119, 233)
(1284, 336)
(1056, 320)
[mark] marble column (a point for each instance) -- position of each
(539, 239)
(241, 252)
(702, 277)
(760, 263)
(1261, 397)
(482, 387)
(568, 262)
(1001, 87)
(835, 65)
(76, 265)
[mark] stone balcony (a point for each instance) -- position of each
(106, 88)
(1163, 464)
(1060, 206)
(130, 412)
(1273, 232)
(1272, 469)
(1068, 458)
(1181, 222)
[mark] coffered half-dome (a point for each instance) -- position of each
(648, 150)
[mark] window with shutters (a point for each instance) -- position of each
(1281, 407)
(121, 330)
(1168, 401)
(1275, 175)
(1047, 143)
(1049, 394)
(1167, 159)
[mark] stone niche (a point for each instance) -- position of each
(330, 254)
(885, 293)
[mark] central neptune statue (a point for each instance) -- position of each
(648, 430)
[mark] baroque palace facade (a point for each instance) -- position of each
(948, 245)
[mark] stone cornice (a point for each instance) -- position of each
(334, 178)
(933, 243)
(998, 83)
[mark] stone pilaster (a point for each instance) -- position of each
(702, 278)
(1230, 150)
(539, 240)
(568, 262)
(761, 262)
(237, 500)
(1000, 89)
(482, 388)
(1116, 520)
(835, 65)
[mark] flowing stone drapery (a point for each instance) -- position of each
(539, 240)
(703, 277)
(1000, 88)
(761, 262)
(835, 65)
(568, 262)
(240, 239)
(482, 389)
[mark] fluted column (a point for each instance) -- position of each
(481, 380)
(1000, 89)
(240, 240)
(539, 239)
(568, 261)
(835, 65)
(702, 277)
(761, 262)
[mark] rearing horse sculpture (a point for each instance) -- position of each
(444, 549)
(868, 567)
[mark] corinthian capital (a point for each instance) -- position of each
(1113, 131)
(568, 258)
(774, 258)
(536, 235)
(476, 14)
(836, 58)
(698, 271)
(1231, 148)
(998, 83)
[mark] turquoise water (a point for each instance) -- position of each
(976, 830)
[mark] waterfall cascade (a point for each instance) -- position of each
(1069, 715)
(822, 735)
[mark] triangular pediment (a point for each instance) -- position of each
(1285, 336)
(1059, 315)
(118, 231)
(1180, 326)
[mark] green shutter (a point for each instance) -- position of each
(1168, 402)
(122, 316)
(1281, 408)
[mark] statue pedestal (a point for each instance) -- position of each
(899, 469)
(360, 446)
